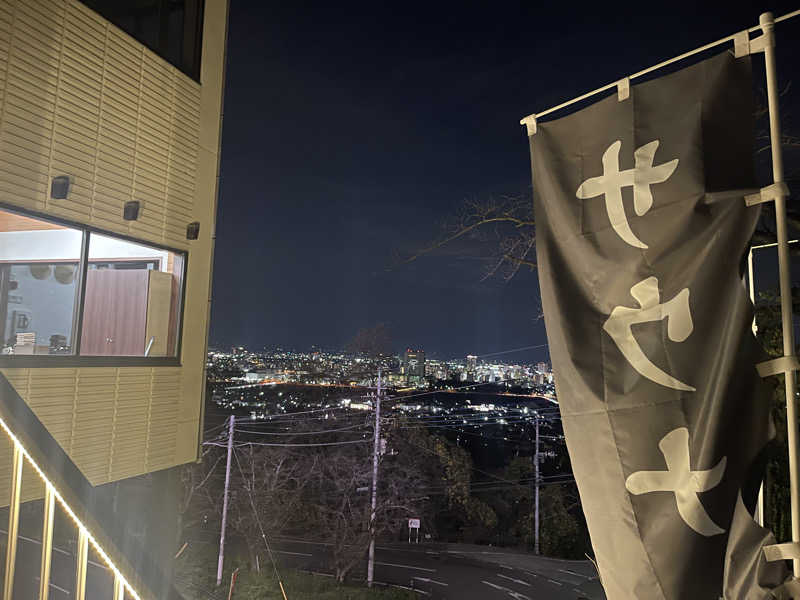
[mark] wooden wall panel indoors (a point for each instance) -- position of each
(79, 97)
(13, 222)
(159, 298)
(115, 312)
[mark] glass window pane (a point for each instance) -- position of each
(39, 282)
(132, 301)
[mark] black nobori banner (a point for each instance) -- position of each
(641, 227)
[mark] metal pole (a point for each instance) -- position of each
(374, 503)
(536, 491)
(767, 24)
(80, 569)
(47, 542)
(759, 510)
(225, 503)
(13, 522)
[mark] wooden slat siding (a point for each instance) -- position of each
(130, 424)
(165, 392)
(79, 97)
(93, 421)
(48, 393)
(82, 98)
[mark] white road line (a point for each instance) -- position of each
(427, 580)
(404, 587)
(55, 549)
(554, 581)
(510, 592)
(519, 581)
(292, 553)
(405, 567)
(53, 585)
(502, 566)
(574, 573)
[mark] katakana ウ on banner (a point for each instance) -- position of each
(641, 227)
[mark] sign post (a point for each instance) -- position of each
(413, 524)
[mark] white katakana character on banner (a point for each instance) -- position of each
(681, 481)
(641, 177)
(679, 326)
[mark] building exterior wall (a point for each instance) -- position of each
(79, 97)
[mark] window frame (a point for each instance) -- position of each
(54, 361)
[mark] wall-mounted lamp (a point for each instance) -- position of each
(59, 187)
(131, 210)
(193, 230)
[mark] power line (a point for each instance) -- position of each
(290, 433)
(304, 445)
(512, 351)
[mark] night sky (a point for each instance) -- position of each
(351, 132)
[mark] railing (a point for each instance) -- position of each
(65, 487)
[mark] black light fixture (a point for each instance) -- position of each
(131, 210)
(193, 230)
(59, 187)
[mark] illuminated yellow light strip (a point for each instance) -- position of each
(81, 527)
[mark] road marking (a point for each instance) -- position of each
(53, 585)
(502, 566)
(554, 581)
(55, 549)
(519, 581)
(292, 553)
(427, 580)
(404, 587)
(405, 567)
(510, 592)
(574, 573)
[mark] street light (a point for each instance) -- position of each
(759, 512)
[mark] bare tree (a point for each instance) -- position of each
(503, 227)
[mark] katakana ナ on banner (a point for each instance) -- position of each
(641, 225)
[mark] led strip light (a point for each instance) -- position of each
(120, 583)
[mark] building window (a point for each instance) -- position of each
(170, 28)
(131, 302)
(70, 290)
(39, 275)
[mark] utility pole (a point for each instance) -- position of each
(376, 453)
(536, 490)
(225, 503)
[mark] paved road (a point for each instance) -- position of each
(461, 572)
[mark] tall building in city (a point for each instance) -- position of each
(472, 363)
(542, 367)
(414, 363)
(110, 119)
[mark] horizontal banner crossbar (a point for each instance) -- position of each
(734, 37)
(776, 366)
(767, 194)
(787, 551)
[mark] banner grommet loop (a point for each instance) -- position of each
(623, 89)
(530, 123)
